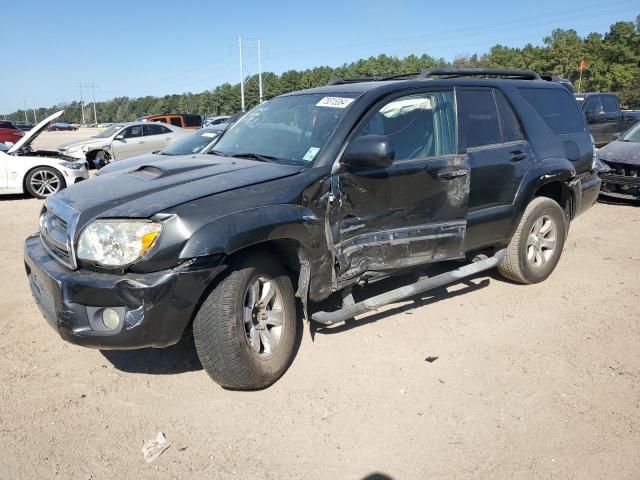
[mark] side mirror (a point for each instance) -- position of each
(369, 151)
(119, 137)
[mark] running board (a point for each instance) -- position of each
(392, 296)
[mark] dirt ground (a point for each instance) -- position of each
(528, 382)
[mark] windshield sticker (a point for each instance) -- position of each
(311, 154)
(334, 102)
(209, 135)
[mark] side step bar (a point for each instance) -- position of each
(392, 296)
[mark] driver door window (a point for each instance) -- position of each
(420, 126)
(133, 132)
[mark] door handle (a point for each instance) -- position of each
(451, 174)
(518, 155)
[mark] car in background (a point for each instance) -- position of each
(122, 140)
(9, 132)
(62, 127)
(604, 116)
(622, 158)
(200, 141)
(211, 121)
(24, 126)
(39, 173)
(182, 120)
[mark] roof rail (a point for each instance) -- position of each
(486, 72)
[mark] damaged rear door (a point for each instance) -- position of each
(413, 211)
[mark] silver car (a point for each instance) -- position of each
(122, 140)
(200, 141)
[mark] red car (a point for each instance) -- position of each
(9, 132)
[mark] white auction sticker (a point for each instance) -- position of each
(209, 134)
(311, 154)
(334, 102)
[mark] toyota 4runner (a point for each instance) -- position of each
(311, 194)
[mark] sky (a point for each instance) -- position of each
(143, 47)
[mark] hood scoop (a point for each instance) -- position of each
(155, 171)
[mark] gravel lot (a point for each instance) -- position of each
(529, 382)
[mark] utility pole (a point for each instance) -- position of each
(26, 120)
(259, 71)
(80, 86)
(241, 74)
(93, 92)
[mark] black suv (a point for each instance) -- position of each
(311, 194)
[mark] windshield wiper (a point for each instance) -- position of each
(251, 155)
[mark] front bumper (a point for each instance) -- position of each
(72, 175)
(155, 307)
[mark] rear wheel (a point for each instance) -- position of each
(245, 330)
(42, 182)
(535, 249)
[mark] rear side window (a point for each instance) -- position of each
(557, 108)
(177, 121)
(155, 129)
(592, 105)
(192, 121)
(609, 104)
(478, 117)
(509, 123)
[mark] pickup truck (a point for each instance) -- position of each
(304, 201)
(605, 118)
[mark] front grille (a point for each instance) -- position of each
(57, 229)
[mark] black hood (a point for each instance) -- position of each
(621, 152)
(144, 190)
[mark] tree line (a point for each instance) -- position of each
(612, 65)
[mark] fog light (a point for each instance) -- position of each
(110, 318)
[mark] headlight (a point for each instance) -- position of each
(116, 243)
(72, 165)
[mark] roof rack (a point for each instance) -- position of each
(480, 72)
(446, 72)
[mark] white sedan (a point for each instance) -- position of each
(38, 173)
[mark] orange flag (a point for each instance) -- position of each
(583, 65)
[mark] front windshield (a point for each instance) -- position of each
(633, 135)
(291, 129)
(108, 131)
(193, 143)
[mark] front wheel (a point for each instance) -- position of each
(535, 249)
(245, 330)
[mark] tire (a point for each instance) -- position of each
(42, 182)
(535, 249)
(226, 344)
